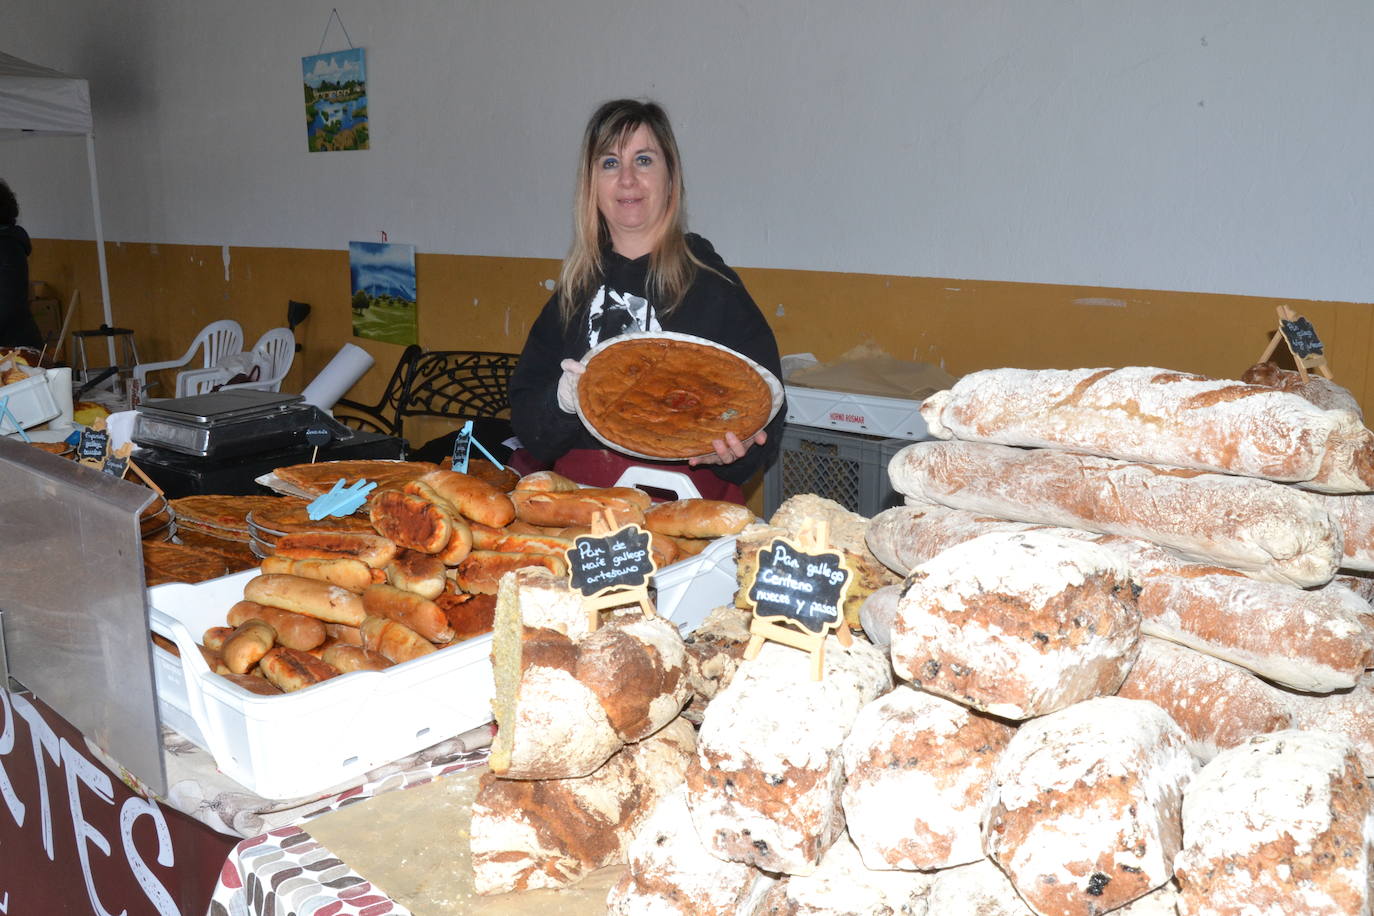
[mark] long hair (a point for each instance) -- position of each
(9, 206)
(672, 266)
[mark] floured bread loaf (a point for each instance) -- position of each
(845, 532)
(1354, 517)
(1361, 584)
(918, 778)
(671, 872)
(1281, 824)
(1263, 529)
(1217, 704)
(1085, 816)
(1307, 639)
(1346, 713)
(715, 650)
(564, 705)
(1017, 624)
(979, 889)
(528, 834)
(1318, 389)
(1160, 417)
(842, 886)
(764, 786)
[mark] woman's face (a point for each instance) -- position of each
(632, 190)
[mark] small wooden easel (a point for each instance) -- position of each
(781, 628)
(1297, 332)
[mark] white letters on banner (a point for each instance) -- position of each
(6, 745)
(133, 809)
(44, 739)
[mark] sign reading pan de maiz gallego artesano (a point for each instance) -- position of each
(611, 569)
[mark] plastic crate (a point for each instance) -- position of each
(849, 468)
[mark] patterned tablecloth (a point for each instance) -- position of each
(278, 870)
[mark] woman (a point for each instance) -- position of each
(633, 267)
(17, 327)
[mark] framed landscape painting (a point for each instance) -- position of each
(382, 277)
(336, 100)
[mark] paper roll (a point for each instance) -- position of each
(60, 384)
(342, 373)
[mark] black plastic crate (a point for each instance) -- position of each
(849, 468)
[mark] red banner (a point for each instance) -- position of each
(74, 839)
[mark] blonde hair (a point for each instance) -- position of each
(672, 266)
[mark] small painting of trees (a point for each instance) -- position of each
(383, 283)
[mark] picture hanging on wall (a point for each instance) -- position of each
(383, 282)
(336, 100)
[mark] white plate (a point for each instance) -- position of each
(774, 386)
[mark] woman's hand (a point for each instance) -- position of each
(567, 385)
(730, 449)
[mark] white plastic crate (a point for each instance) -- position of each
(30, 402)
(300, 744)
(868, 414)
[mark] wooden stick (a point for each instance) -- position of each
(66, 324)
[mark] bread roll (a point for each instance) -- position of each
(311, 597)
(373, 549)
(484, 537)
(393, 639)
(214, 637)
(476, 499)
(354, 575)
(249, 642)
(291, 669)
(1155, 416)
(1263, 529)
(415, 611)
(481, 572)
(295, 631)
(546, 482)
(698, 518)
(410, 521)
(348, 658)
(421, 573)
(558, 509)
(467, 615)
(460, 543)
(344, 634)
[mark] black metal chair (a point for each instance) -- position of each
(459, 385)
(385, 415)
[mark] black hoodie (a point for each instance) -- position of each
(17, 328)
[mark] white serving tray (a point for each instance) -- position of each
(869, 414)
(301, 744)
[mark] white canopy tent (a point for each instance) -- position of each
(37, 101)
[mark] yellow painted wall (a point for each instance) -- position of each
(168, 292)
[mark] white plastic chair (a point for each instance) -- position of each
(273, 354)
(215, 341)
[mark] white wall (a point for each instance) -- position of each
(1204, 145)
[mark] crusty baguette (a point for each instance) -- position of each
(354, 575)
(417, 572)
(295, 631)
(475, 498)
(213, 638)
(423, 490)
(533, 543)
(481, 572)
(546, 482)
(249, 642)
(698, 518)
(292, 669)
(420, 614)
(253, 684)
(576, 508)
(484, 537)
(410, 521)
(311, 597)
(355, 658)
(344, 634)
(373, 549)
(395, 640)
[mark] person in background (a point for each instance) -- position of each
(633, 266)
(17, 327)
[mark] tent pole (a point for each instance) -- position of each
(100, 245)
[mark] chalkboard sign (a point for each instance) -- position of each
(116, 465)
(621, 559)
(804, 588)
(462, 447)
(93, 445)
(317, 436)
(1302, 337)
